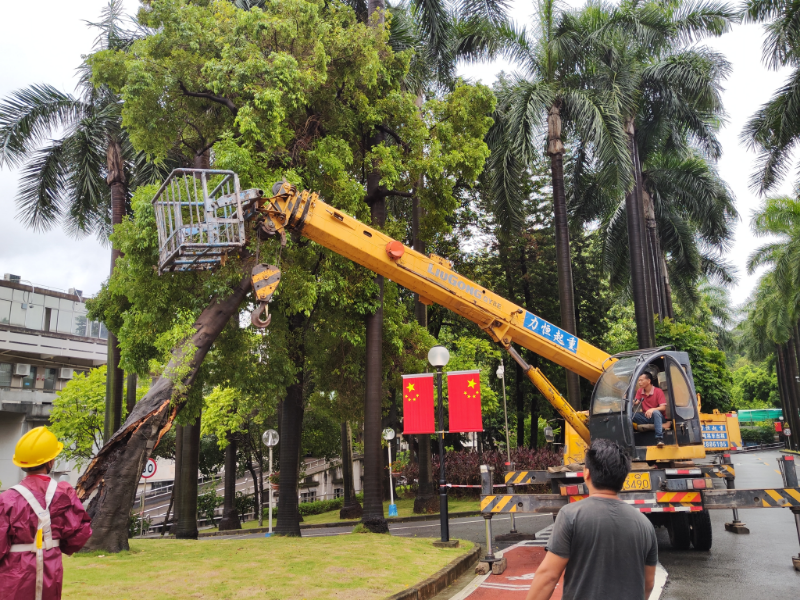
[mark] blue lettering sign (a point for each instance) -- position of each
(550, 332)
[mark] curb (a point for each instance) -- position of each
(433, 517)
(437, 582)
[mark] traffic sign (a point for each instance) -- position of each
(388, 434)
(270, 438)
(149, 469)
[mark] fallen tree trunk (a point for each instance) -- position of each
(114, 473)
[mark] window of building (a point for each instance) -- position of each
(338, 492)
(5, 375)
(50, 379)
(308, 496)
(29, 382)
(5, 311)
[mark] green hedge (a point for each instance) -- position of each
(763, 433)
(318, 507)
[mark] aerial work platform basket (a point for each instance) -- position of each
(200, 218)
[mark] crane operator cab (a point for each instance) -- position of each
(613, 405)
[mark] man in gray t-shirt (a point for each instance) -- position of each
(608, 548)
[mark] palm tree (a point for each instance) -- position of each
(690, 224)
(666, 92)
(775, 128)
(550, 89)
(78, 166)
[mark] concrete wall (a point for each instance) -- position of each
(12, 426)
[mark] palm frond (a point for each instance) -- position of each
(30, 116)
(43, 187)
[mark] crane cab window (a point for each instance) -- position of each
(681, 395)
(612, 387)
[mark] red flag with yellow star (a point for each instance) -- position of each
(418, 404)
(464, 397)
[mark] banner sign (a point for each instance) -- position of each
(715, 436)
(418, 404)
(464, 395)
(550, 332)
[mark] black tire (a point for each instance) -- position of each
(680, 532)
(701, 530)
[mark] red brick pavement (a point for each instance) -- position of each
(515, 582)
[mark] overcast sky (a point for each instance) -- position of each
(43, 42)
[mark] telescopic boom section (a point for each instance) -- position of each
(434, 279)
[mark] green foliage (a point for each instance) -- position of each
(712, 376)
(762, 433)
(244, 504)
(211, 456)
(208, 502)
(137, 525)
(754, 386)
(78, 414)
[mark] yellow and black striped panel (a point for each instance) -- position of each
(780, 498)
(526, 477)
(496, 504)
(725, 471)
(681, 497)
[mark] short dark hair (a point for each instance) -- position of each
(608, 465)
(649, 375)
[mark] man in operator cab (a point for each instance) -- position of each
(650, 406)
(39, 519)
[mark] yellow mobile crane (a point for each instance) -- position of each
(666, 482)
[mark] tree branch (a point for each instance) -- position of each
(394, 136)
(209, 96)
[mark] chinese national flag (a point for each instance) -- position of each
(418, 404)
(464, 395)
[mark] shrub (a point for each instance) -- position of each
(137, 525)
(463, 468)
(317, 507)
(208, 502)
(762, 433)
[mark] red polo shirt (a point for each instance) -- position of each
(652, 400)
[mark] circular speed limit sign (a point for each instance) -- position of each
(149, 469)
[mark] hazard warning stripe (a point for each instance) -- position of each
(679, 497)
(498, 504)
(780, 498)
(668, 509)
(648, 501)
(578, 497)
(526, 477)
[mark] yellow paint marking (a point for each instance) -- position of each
(776, 470)
(793, 493)
(503, 501)
(513, 508)
(521, 477)
(775, 495)
(509, 476)
(666, 497)
(766, 504)
(487, 501)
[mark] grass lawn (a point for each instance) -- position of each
(351, 566)
(405, 508)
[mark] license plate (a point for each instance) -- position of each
(636, 482)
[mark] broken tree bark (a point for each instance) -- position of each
(113, 474)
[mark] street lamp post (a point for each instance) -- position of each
(501, 374)
(388, 435)
(438, 357)
(270, 440)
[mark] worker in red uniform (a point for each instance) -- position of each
(39, 519)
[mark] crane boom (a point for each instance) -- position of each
(434, 279)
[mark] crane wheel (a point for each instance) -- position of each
(680, 532)
(701, 530)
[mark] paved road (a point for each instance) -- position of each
(739, 567)
(467, 528)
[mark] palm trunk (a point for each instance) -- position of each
(114, 378)
(351, 509)
(788, 358)
(667, 289)
(176, 483)
(130, 392)
(291, 433)
(230, 516)
(633, 204)
(655, 257)
(114, 473)
(566, 291)
(187, 500)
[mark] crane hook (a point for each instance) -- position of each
(255, 316)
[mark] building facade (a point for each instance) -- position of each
(45, 339)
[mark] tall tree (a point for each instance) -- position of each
(539, 106)
(78, 165)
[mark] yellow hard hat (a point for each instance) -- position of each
(36, 447)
